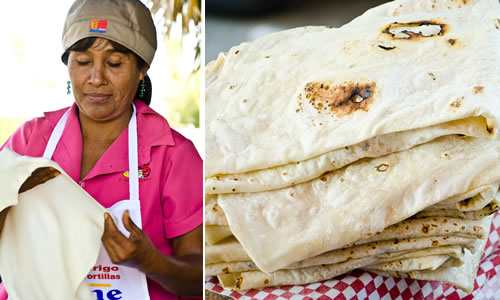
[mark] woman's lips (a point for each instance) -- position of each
(98, 98)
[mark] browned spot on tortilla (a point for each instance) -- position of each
(396, 241)
(225, 270)
(435, 243)
(477, 228)
(386, 47)
(323, 178)
(452, 41)
(215, 207)
(477, 90)
(352, 252)
(489, 129)
(266, 281)
(217, 177)
(238, 283)
(382, 167)
(285, 173)
(245, 100)
(340, 100)
(213, 188)
(445, 221)
(292, 194)
(462, 228)
(497, 24)
(457, 103)
(434, 225)
(232, 86)
(252, 180)
(414, 35)
(425, 229)
(446, 230)
(433, 6)
(455, 224)
(267, 56)
(407, 227)
(447, 156)
(432, 75)
(237, 51)
(374, 247)
(233, 189)
(342, 179)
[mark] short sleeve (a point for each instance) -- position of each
(19, 140)
(183, 190)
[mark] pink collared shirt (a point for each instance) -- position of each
(171, 173)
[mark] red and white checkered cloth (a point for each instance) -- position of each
(365, 285)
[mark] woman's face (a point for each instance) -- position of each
(104, 81)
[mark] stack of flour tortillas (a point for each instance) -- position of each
(52, 233)
(370, 146)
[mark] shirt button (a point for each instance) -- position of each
(82, 184)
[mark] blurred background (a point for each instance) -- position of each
(34, 79)
(229, 23)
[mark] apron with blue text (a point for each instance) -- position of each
(106, 280)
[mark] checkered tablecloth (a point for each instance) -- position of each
(365, 285)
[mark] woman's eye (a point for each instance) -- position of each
(83, 63)
(114, 65)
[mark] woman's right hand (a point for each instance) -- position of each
(39, 176)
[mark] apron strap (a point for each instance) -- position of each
(133, 163)
(55, 136)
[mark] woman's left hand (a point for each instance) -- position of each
(135, 251)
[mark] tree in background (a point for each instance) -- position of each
(180, 23)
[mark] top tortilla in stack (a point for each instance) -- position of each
(302, 102)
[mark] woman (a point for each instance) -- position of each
(117, 148)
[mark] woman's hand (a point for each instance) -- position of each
(135, 251)
(39, 176)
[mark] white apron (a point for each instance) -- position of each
(106, 280)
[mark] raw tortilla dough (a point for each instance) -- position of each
(52, 233)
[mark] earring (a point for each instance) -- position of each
(69, 87)
(142, 89)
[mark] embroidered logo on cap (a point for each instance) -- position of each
(99, 26)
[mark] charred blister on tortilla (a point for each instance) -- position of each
(414, 30)
(338, 100)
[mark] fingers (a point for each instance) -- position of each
(130, 225)
(112, 239)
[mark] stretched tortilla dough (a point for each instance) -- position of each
(52, 233)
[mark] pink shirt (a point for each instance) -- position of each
(170, 187)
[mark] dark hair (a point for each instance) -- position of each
(86, 43)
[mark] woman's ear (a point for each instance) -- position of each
(143, 72)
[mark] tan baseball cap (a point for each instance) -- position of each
(127, 22)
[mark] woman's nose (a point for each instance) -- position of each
(97, 77)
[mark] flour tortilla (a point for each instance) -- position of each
(257, 279)
(294, 173)
(473, 204)
(214, 215)
(462, 276)
(431, 262)
(47, 246)
(257, 114)
(454, 251)
(489, 209)
(328, 213)
(215, 233)
(231, 251)
(473, 200)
